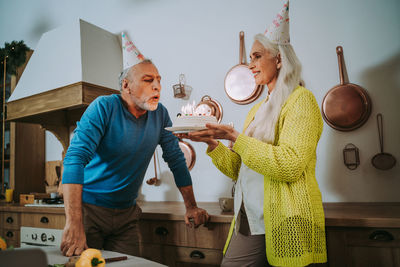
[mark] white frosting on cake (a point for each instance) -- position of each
(193, 117)
(193, 121)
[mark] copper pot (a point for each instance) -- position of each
(346, 106)
(212, 106)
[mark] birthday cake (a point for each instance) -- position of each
(192, 118)
(193, 121)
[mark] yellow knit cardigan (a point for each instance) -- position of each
(293, 213)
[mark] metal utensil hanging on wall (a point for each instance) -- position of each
(351, 156)
(382, 161)
(154, 180)
(346, 106)
(182, 90)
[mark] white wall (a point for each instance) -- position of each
(200, 39)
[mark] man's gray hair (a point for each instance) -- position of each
(127, 72)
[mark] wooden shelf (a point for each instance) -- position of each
(56, 110)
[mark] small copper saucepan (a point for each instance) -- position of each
(211, 107)
(346, 106)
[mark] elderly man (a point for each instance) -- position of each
(106, 162)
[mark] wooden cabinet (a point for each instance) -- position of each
(27, 161)
(43, 220)
(9, 229)
(24, 159)
(14, 216)
(166, 239)
(363, 234)
(358, 234)
(363, 247)
(174, 244)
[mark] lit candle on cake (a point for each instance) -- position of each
(203, 110)
(188, 109)
(193, 118)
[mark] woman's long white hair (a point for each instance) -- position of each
(263, 126)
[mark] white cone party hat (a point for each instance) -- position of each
(278, 31)
(130, 54)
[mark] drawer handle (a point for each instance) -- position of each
(161, 231)
(381, 235)
(44, 220)
(9, 220)
(195, 254)
(9, 234)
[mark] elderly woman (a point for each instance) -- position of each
(278, 218)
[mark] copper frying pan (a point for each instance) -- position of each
(188, 152)
(346, 106)
(239, 81)
(190, 157)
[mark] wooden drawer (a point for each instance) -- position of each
(177, 256)
(176, 233)
(373, 237)
(11, 220)
(363, 247)
(54, 221)
(197, 255)
(11, 236)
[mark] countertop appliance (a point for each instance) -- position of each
(40, 237)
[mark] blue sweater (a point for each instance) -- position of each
(111, 150)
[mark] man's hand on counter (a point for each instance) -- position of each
(196, 216)
(73, 240)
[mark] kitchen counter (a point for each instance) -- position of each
(25, 256)
(363, 214)
(346, 214)
(54, 256)
(175, 211)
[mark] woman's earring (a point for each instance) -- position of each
(278, 62)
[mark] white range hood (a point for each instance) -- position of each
(70, 67)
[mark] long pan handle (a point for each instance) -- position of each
(155, 164)
(339, 52)
(242, 59)
(380, 129)
(154, 180)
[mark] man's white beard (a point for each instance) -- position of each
(150, 107)
(143, 104)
